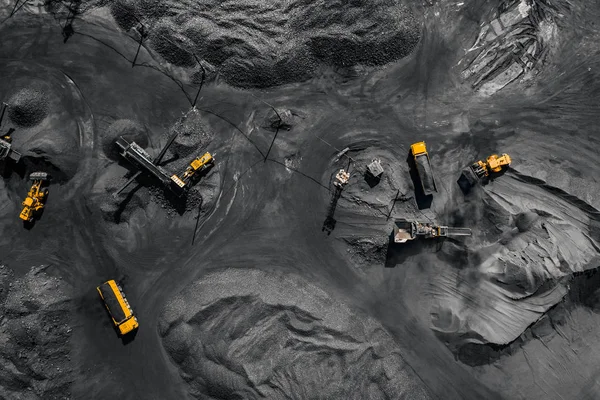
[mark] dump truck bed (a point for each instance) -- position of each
(425, 174)
(113, 305)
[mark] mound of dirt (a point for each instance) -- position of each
(28, 107)
(282, 119)
(250, 334)
(35, 358)
(125, 13)
(130, 130)
(285, 44)
(192, 135)
(512, 281)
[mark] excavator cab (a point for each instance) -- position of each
(36, 197)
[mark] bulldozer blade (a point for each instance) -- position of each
(116, 194)
(39, 176)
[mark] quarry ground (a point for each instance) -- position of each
(508, 313)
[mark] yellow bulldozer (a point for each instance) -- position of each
(482, 171)
(36, 198)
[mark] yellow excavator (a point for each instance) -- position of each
(483, 170)
(34, 202)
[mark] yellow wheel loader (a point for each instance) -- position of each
(482, 171)
(34, 202)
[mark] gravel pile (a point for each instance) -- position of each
(287, 42)
(193, 136)
(28, 107)
(35, 334)
(130, 130)
(250, 334)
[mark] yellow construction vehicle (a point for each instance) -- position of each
(483, 170)
(405, 230)
(34, 202)
(118, 307)
(424, 170)
(197, 165)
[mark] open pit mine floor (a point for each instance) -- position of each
(265, 281)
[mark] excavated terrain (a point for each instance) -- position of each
(265, 281)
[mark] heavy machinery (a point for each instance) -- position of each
(34, 202)
(424, 170)
(482, 171)
(6, 150)
(341, 179)
(139, 157)
(197, 165)
(405, 230)
(118, 307)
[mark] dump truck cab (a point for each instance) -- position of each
(118, 307)
(418, 148)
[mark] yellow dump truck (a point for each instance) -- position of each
(118, 307)
(424, 170)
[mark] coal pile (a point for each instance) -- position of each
(286, 44)
(250, 334)
(28, 107)
(506, 285)
(35, 360)
(192, 135)
(132, 131)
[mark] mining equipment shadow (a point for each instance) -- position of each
(125, 339)
(371, 180)
(423, 201)
(8, 167)
(329, 223)
(129, 337)
(585, 288)
(397, 253)
(123, 204)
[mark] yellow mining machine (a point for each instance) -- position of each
(34, 202)
(482, 171)
(196, 166)
(424, 170)
(405, 230)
